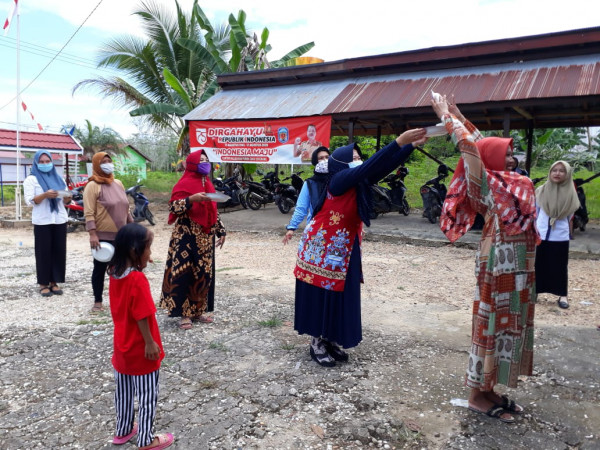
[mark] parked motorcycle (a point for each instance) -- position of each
(75, 210)
(286, 195)
(233, 187)
(433, 193)
(140, 201)
(393, 198)
(580, 217)
(262, 193)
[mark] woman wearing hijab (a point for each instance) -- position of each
(311, 192)
(503, 309)
(49, 218)
(106, 210)
(189, 282)
(328, 266)
(556, 202)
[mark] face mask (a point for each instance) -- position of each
(203, 168)
(45, 167)
(322, 167)
(354, 164)
(107, 168)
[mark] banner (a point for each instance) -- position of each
(274, 141)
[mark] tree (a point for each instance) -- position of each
(175, 68)
(94, 139)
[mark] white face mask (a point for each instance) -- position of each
(107, 168)
(322, 167)
(354, 164)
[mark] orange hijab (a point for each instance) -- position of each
(98, 175)
(514, 195)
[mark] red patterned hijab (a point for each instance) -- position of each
(514, 196)
(190, 183)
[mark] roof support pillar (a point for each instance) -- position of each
(529, 146)
(506, 123)
(350, 131)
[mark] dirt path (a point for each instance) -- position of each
(247, 380)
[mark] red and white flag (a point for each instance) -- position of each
(24, 106)
(7, 22)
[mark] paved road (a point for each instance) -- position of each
(412, 228)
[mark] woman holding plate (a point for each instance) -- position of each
(188, 289)
(43, 190)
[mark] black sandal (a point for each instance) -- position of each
(322, 358)
(510, 405)
(563, 303)
(335, 351)
(495, 412)
(56, 290)
(46, 294)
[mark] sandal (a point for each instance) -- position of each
(563, 303)
(495, 412)
(203, 319)
(97, 309)
(120, 440)
(164, 441)
(335, 351)
(185, 323)
(56, 290)
(46, 294)
(510, 405)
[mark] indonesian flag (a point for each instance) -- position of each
(7, 22)
(24, 106)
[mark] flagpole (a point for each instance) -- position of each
(18, 188)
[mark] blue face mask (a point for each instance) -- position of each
(354, 164)
(45, 167)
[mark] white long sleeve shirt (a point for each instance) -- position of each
(559, 233)
(42, 214)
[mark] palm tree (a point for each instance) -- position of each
(94, 139)
(175, 69)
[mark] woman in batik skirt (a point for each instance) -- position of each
(328, 268)
(188, 284)
(503, 309)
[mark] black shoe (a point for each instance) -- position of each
(322, 359)
(335, 351)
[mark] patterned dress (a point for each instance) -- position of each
(504, 305)
(188, 284)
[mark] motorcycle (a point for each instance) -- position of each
(75, 210)
(393, 198)
(286, 195)
(580, 217)
(231, 187)
(433, 193)
(140, 201)
(261, 193)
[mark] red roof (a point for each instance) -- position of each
(30, 141)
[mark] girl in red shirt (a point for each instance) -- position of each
(138, 349)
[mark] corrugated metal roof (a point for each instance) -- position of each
(548, 81)
(29, 141)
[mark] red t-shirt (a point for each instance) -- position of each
(131, 301)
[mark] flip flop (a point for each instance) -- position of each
(164, 441)
(185, 325)
(510, 405)
(46, 294)
(495, 412)
(564, 304)
(203, 319)
(97, 309)
(120, 440)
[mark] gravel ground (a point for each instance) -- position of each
(247, 381)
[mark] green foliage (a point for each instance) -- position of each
(273, 322)
(94, 139)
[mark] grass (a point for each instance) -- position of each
(288, 347)
(215, 345)
(273, 322)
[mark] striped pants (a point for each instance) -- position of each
(145, 388)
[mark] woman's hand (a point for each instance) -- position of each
(220, 242)
(94, 241)
(51, 193)
(453, 109)
(67, 200)
(287, 236)
(409, 136)
(199, 197)
(440, 106)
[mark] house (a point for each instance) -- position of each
(130, 162)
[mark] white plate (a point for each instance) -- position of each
(218, 197)
(436, 130)
(105, 253)
(63, 194)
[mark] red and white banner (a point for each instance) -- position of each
(273, 141)
(15, 9)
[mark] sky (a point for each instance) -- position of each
(340, 30)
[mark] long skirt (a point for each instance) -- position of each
(50, 243)
(552, 268)
(188, 284)
(334, 316)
